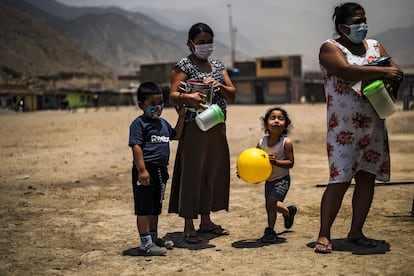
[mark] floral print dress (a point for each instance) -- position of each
(356, 137)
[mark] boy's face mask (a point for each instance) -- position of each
(358, 32)
(154, 111)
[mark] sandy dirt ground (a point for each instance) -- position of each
(66, 202)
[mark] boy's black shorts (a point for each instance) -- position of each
(148, 199)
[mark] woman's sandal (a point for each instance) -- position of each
(218, 231)
(323, 247)
(192, 239)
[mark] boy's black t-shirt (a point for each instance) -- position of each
(153, 135)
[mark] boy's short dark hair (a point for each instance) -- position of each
(147, 88)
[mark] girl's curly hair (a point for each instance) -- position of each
(267, 115)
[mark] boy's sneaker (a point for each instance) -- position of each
(152, 250)
(164, 243)
(290, 218)
(269, 236)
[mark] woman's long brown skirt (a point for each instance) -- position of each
(201, 177)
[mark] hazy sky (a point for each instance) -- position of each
(188, 4)
(397, 13)
(273, 27)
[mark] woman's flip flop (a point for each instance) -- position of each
(218, 231)
(323, 247)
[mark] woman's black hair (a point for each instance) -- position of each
(147, 88)
(267, 115)
(343, 12)
(199, 28)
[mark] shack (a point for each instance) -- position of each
(268, 80)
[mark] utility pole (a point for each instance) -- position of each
(232, 38)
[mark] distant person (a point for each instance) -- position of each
(201, 179)
(95, 100)
(21, 105)
(357, 141)
(280, 149)
(65, 103)
(149, 138)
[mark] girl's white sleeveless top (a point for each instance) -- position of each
(279, 150)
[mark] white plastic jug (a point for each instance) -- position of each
(210, 117)
(380, 99)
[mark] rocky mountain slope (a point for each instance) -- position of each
(114, 39)
(119, 43)
(120, 39)
(32, 52)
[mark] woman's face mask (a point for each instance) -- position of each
(203, 51)
(154, 111)
(358, 32)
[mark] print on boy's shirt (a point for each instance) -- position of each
(159, 139)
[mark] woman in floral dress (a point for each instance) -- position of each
(357, 142)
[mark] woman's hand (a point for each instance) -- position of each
(227, 88)
(211, 81)
(393, 74)
(392, 81)
(196, 100)
(392, 88)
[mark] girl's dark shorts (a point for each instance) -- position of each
(278, 188)
(148, 199)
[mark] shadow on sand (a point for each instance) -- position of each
(341, 245)
(177, 238)
(256, 243)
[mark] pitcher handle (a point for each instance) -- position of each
(203, 108)
(185, 87)
(216, 88)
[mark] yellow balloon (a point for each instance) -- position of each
(253, 165)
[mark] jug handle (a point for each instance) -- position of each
(216, 88)
(203, 107)
(185, 87)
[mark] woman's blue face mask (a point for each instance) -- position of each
(154, 111)
(358, 32)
